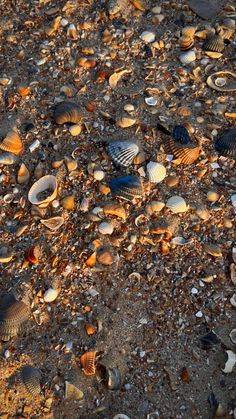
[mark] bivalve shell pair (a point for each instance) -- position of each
(156, 172)
(127, 187)
(13, 315)
(123, 152)
(225, 143)
(177, 204)
(43, 191)
(31, 378)
(67, 112)
(12, 143)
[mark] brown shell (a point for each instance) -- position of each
(12, 143)
(185, 153)
(189, 31)
(23, 174)
(214, 43)
(12, 316)
(213, 249)
(67, 112)
(87, 361)
(186, 42)
(31, 378)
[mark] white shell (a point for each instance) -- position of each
(150, 101)
(123, 152)
(177, 204)
(233, 200)
(231, 361)
(53, 223)
(98, 174)
(105, 228)
(148, 36)
(50, 295)
(47, 182)
(156, 172)
(232, 335)
(121, 416)
(187, 57)
(233, 300)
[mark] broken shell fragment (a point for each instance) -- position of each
(110, 376)
(123, 152)
(156, 172)
(105, 256)
(90, 329)
(72, 392)
(53, 223)
(125, 121)
(43, 191)
(13, 314)
(23, 175)
(177, 204)
(31, 378)
(105, 228)
(12, 143)
(87, 361)
(127, 187)
(230, 363)
(180, 241)
(33, 254)
(8, 159)
(67, 112)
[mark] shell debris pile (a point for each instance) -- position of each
(118, 204)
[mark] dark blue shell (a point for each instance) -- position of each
(127, 187)
(225, 143)
(180, 134)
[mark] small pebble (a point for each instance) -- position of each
(148, 36)
(98, 174)
(50, 295)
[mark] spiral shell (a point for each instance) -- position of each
(31, 378)
(127, 187)
(184, 154)
(87, 361)
(8, 158)
(156, 172)
(223, 81)
(177, 204)
(23, 175)
(67, 112)
(123, 152)
(225, 143)
(12, 143)
(187, 57)
(186, 42)
(13, 314)
(43, 191)
(214, 43)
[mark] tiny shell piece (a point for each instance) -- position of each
(87, 361)
(177, 204)
(233, 200)
(72, 392)
(50, 295)
(75, 130)
(125, 121)
(180, 241)
(230, 363)
(105, 228)
(150, 101)
(121, 416)
(156, 172)
(90, 329)
(31, 378)
(148, 36)
(47, 185)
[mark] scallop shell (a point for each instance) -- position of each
(12, 317)
(87, 361)
(123, 152)
(23, 175)
(186, 42)
(31, 378)
(225, 143)
(187, 57)
(43, 191)
(12, 143)
(67, 112)
(185, 154)
(229, 84)
(110, 376)
(156, 172)
(214, 43)
(127, 187)
(177, 204)
(181, 134)
(53, 223)
(8, 158)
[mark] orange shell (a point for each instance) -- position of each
(90, 329)
(186, 42)
(33, 254)
(91, 261)
(12, 143)
(24, 90)
(87, 361)
(185, 153)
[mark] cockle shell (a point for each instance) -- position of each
(177, 204)
(181, 134)
(23, 175)
(31, 378)
(13, 314)
(225, 143)
(43, 191)
(184, 154)
(187, 57)
(12, 143)
(214, 43)
(53, 223)
(123, 152)
(8, 158)
(87, 361)
(156, 172)
(127, 187)
(186, 42)
(67, 112)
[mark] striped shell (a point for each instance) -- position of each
(227, 81)
(214, 43)
(184, 154)
(186, 42)
(12, 143)
(180, 133)
(43, 191)
(123, 152)
(67, 112)
(187, 57)
(127, 187)
(156, 172)
(8, 158)
(176, 204)
(23, 175)
(225, 143)
(12, 316)
(31, 378)
(87, 361)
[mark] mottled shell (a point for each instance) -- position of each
(87, 361)
(53, 223)
(177, 204)
(186, 42)
(227, 81)
(67, 112)
(23, 175)
(214, 43)
(31, 378)
(225, 143)
(127, 187)
(187, 57)
(12, 143)
(43, 191)
(156, 172)
(185, 154)
(12, 316)
(8, 158)
(123, 152)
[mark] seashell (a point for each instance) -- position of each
(150, 101)
(154, 206)
(67, 112)
(121, 416)
(5, 255)
(53, 223)
(214, 43)
(184, 154)
(228, 23)
(75, 129)
(43, 191)
(189, 31)
(180, 241)
(156, 172)
(12, 143)
(23, 175)
(230, 363)
(31, 378)
(110, 376)
(177, 204)
(90, 329)
(87, 361)
(212, 196)
(71, 164)
(12, 317)
(165, 225)
(232, 269)
(116, 6)
(105, 256)
(68, 202)
(24, 90)
(233, 200)
(232, 336)
(213, 54)
(123, 152)
(186, 42)
(8, 158)
(202, 212)
(233, 300)
(115, 209)
(39, 170)
(105, 228)
(125, 121)
(172, 181)
(181, 134)
(50, 295)
(127, 187)
(72, 392)
(115, 77)
(91, 261)
(212, 249)
(33, 254)
(98, 174)
(187, 57)
(206, 9)
(209, 340)
(225, 143)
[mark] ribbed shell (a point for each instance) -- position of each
(214, 43)
(8, 158)
(123, 152)
(176, 204)
(46, 183)
(156, 172)
(67, 112)
(31, 378)
(225, 143)
(87, 361)
(12, 143)
(180, 133)
(12, 317)
(127, 187)
(186, 154)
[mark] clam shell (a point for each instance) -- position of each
(186, 42)
(67, 112)
(47, 184)
(53, 223)
(12, 143)
(181, 134)
(105, 228)
(8, 158)
(87, 361)
(187, 57)
(156, 172)
(127, 187)
(214, 43)
(23, 175)
(110, 376)
(177, 204)
(123, 152)
(31, 378)
(185, 154)
(125, 121)
(12, 317)
(225, 143)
